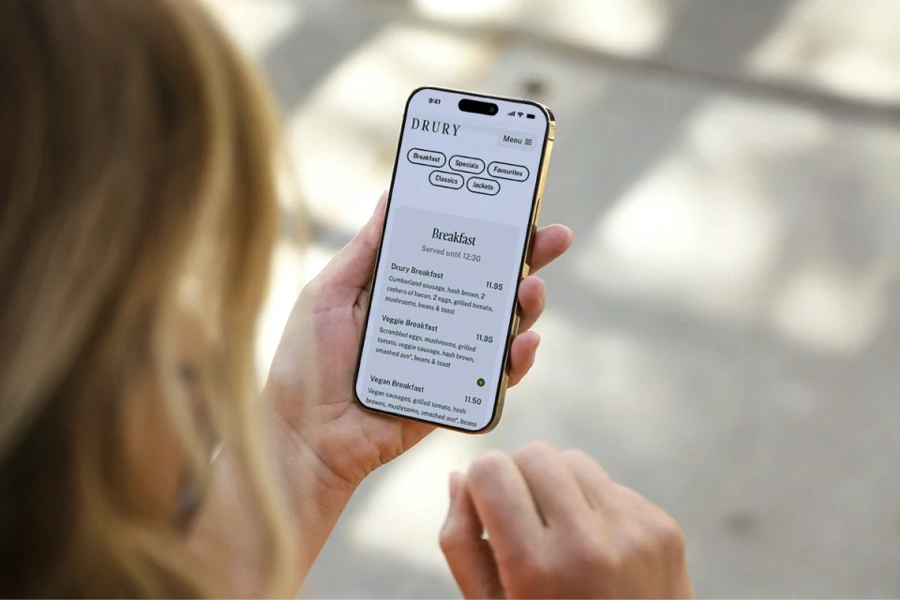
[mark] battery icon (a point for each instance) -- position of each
(530, 116)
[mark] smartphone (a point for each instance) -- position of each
(461, 216)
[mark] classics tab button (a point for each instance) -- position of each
(466, 164)
(445, 179)
(429, 158)
(479, 185)
(502, 170)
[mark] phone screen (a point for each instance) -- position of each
(444, 293)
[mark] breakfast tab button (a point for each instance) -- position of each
(429, 158)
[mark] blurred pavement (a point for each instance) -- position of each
(725, 334)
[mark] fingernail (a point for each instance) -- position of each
(381, 199)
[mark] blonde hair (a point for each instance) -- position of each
(136, 156)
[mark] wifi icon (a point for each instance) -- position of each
(520, 114)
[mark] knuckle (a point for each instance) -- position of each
(487, 466)
(449, 538)
(531, 451)
(575, 454)
(670, 537)
(658, 537)
(639, 540)
(594, 551)
(585, 463)
(579, 456)
(605, 560)
(532, 570)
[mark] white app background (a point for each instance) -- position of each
(445, 285)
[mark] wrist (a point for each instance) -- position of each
(332, 449)
(303, 465)
(316, 497)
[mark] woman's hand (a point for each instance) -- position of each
(312, 374)
(558, 527)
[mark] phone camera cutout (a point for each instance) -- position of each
(477, 106)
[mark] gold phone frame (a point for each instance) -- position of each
(524, 267)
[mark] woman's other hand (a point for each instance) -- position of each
(558, 527)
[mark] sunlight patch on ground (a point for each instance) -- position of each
(735, 135)
(471, 10)
(834, 312)
(702, 232)
(611, 381)
(848, 47)
(696, 240)
(699, 230)
(630, 27)
(256, 26)
(403, 514)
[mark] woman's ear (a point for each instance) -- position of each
(154, 457)
(157, 464)
(195, 365)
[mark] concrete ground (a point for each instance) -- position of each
(725, 334)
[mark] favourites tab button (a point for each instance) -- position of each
(502, 170)
(466, 164)
(480, 185)
(444, 179)
(429, 158)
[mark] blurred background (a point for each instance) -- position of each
(723, 336)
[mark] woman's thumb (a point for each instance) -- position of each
(351, 268)
(469, 555)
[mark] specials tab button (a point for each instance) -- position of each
(479, 185)
(466, 164)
